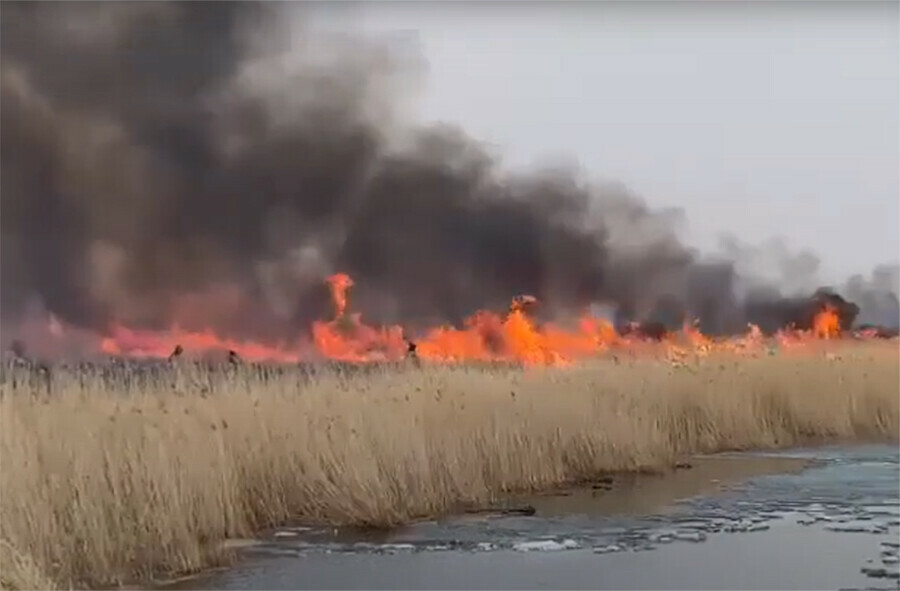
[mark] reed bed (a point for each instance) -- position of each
(108, 478)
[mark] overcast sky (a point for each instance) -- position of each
(763, 119)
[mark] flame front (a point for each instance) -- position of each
(127, 342)
(485, 336)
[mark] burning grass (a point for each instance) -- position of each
(111, 478)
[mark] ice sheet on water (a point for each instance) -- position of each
(663, 536)
(691, 523)
(858, 527)
(690, 536)
(546, 546)
(608, 549)
(892, 509)
(395, 548)
(270, 550)
(286, 534)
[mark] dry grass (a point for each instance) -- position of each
(103, 484)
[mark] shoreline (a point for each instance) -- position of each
(730, 468)
(612, 482)
(155, 478)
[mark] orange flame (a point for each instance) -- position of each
(346, 338)
(153, 344)
(339, 283)
(485, 336)
(827, 323)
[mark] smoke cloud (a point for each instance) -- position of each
(193, 162)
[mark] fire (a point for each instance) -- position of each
(124, 341)
(827, 323)
(339, 283)
(485, 336)
(700, 342)
(346, 338)
(515, 338)
(522, 341)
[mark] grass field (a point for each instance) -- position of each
(109, 478)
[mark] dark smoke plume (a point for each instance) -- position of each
(877, 296)
(167, 162)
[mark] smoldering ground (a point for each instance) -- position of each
(200, 163)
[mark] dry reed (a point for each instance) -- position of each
(103, 484)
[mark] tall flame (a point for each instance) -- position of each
(339, 283)
(827, 323)
(346, 338)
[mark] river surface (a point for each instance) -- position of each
(825, 518)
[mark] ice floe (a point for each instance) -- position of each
(608, 549)
(857, 526)
(690, 536)
(546, 546)
(286, 534)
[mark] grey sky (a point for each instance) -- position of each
(760, 120)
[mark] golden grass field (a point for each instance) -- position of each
(105, 483)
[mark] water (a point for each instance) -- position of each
(760, 521)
